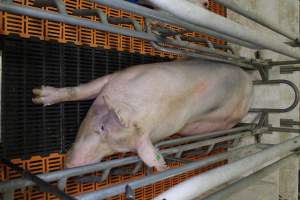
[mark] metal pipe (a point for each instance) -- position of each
(278, 110)
(197, 55)
(43, 186)
(28, 11)
(143, 181)
(38, 13)
(204, 136)
(204, 143)
(249, 180)
(202, 17)
(59, 4)
(258, 19)
(202, 183)
(164, 17)
(284, 130)
(288, 62)
(118, 20)
(52, 176)
(235, 59)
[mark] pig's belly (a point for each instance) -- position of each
(204, 127)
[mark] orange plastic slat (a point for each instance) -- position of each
(45, 30)
(54, 162)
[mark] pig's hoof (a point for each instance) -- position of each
(38, 100)
(161, 168)
(44, 95)
(161, 163)
(37, 91)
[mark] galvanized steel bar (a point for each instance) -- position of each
(205, 136)
(202, 183)
(284, 129)
(249, 180)
(163, 17)
(59, 4)
(278, 63)
(278, 110)
(258, 19)
(143, 181)
(38, 13)
(53, 176)
(202, 17)
(198, 55)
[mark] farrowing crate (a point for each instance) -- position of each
(27, 27)
(54, 162)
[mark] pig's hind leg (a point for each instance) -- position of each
(47, 95)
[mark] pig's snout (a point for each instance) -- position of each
(77, 159)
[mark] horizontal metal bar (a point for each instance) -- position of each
(140, 182)
(207, 50)
(118, 20)
(284, 130)
(43, 186)
(52, 176)
(288, 69)
(258, 19)
(38, 13)
(204, 136)
(202, 17)
(278, 63)
(52, 16)
(278, 110)
(197, 55)
(289, 123)
(59, 4)
(200, 184)
(249, 180)
(163, 17)
(204, 143)
(235, 59)
(92, 12)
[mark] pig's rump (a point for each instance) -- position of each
(188, 97)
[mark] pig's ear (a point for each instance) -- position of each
(115, 112)
(149, 154)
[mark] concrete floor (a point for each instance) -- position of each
(284, 182)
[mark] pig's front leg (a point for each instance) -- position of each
(47, 95)
(149, 154)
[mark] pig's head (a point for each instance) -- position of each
(101, 133)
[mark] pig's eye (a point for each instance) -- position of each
(102, 127)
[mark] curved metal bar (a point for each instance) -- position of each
(278, 110)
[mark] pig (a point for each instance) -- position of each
(144, 104)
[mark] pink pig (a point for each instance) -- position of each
(141, 105)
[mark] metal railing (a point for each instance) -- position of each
(107, 24)
(179, 45)
(180, 42)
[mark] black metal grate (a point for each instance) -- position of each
(28, 129)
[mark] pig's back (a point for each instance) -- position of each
(166, 96)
